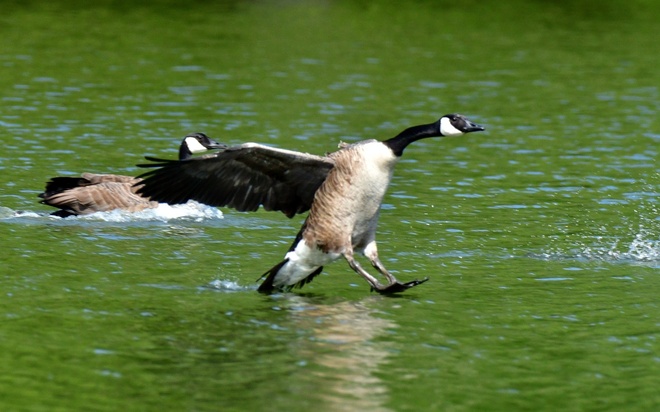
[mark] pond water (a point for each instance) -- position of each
(541, 236)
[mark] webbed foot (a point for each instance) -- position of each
(397, 286)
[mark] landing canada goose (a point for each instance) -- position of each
(102, 192)
(343, 192)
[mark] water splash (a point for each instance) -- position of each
(643, 248)
(227, 286)
(190, 211)
(7, 213)
(645, 244)
(638, 245)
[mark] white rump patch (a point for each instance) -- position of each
(303, 260)
(194, 145)
(448, 129)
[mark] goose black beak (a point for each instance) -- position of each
(473, 127)
(215, 145)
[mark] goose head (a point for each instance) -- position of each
(197, 143)
(456, 124)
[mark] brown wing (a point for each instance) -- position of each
(242, 177)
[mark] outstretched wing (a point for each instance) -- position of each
(242, 177)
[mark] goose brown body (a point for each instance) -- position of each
(360, 178)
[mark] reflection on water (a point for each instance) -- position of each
(344, 345)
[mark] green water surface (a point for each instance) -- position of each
(541, 236)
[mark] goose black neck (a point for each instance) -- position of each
(411, 134)
(184, 152)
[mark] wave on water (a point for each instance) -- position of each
(191, 211)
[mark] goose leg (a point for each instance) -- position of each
(393, 286)
(360, 271)
(371, 252)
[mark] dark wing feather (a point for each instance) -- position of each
(61, 184)
(242, 177)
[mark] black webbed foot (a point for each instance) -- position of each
(397, 287)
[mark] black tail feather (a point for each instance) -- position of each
(267, 285)
(157, 162)
(60, 184)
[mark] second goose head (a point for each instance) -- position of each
(197, 143)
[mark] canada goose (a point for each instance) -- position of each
(343, 192)
(102, 192)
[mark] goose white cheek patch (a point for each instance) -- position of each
(195, 146)
(448, 129)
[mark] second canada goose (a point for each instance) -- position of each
(343, 192)
(92, 193)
